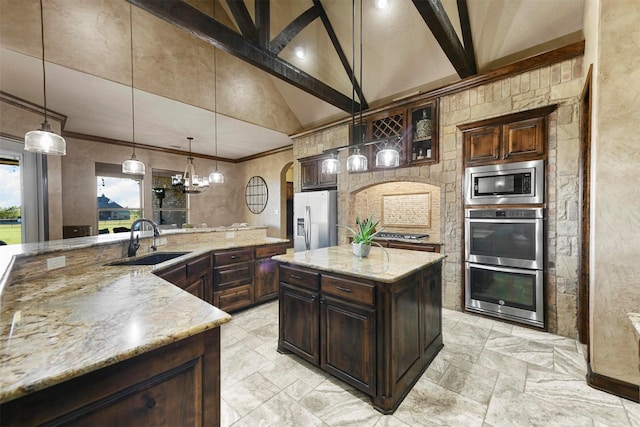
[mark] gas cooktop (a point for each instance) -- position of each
(385, 235)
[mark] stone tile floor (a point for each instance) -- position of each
(489, 373)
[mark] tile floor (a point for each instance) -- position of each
(489, 373)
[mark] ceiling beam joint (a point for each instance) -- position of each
(243, 19)
(437, 20)
(205, 27)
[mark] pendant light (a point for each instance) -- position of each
(356, 162)
(216, 176)
(388, 157)
(44, 140)
(331, 166)
(132, 166)
(190, 182)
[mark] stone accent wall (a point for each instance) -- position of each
(559, 84)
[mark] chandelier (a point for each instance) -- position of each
(190, 182)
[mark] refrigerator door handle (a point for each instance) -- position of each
(307, 227)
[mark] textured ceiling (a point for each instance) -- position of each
(89, 69)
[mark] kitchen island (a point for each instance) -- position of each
(100, 344)
(375, 322)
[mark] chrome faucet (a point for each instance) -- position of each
(133, 246)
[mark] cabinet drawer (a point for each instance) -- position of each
(271, 250)
(233, 275)
(299, 277)
(348, 289)
(233, 299)
(199, 267)
(229, 257)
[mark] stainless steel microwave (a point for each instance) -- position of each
(507, 183)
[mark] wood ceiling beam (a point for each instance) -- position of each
(208, 29)
(243, 19)
(263, 22)
(341, 55)
(292, 30)
(436, 18)
(467, 38)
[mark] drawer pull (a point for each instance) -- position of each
(233, 257)
(294, 276)
(340, 288)
(150, 402)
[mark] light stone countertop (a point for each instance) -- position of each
(75, 320)
(340, 259)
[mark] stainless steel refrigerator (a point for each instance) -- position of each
(315, 214)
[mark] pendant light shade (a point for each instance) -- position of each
(387, 158)
(331, 165)
(357, 162)
(216, 177)
(43, 140)
(133, 166)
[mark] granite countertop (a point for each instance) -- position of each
(75, 320)
(340, 259)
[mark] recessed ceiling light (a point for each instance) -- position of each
(382, 4)
(300, 53)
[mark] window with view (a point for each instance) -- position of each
(170, 208)
(119, 201)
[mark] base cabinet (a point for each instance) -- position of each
(377, 337)
(265, 279)
(194, 276)
(349, 342)
(178, 384)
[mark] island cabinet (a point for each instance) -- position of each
(194, 276)
(265, 279)
(233, 279)
(377, 336)
(175, 385)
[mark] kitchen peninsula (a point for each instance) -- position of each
(374, 322)
(103, 344)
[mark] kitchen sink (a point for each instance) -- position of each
(151, 259)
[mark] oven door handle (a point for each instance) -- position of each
(505, 220)
(504, 269)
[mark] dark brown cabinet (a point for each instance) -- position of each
(178, 384)
(194, 276)
(348, 331)
(299, 316)
(265, 279)
(312, 177)
(377, 337)
(233, 279)
(515, 137)
(395, 244)
(422, 134)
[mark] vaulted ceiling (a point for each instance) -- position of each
(242, 64)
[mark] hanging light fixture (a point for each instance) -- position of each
(44, 140)
(133, 166)
(356, 162)
(190, 182)
(331, 165)
(216, 176)
(388, 157)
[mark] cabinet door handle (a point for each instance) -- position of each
(294, 276)
(340, 288)
(322, 300)
(149, 402)
(313, 298)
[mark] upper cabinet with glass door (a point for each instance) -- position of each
(410, 129)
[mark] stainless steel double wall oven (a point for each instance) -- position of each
(504, 241)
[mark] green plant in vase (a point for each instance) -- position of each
(363, 235)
